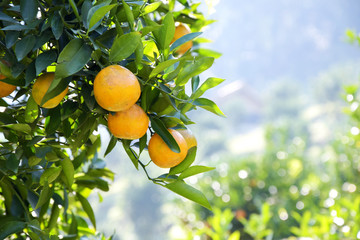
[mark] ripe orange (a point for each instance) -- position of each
(162, 155)
(180, 31)
(41, 86)
(116, 88)
(188, 136)
(129, 124)
(5, 88)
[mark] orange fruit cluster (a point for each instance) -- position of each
(117, 90)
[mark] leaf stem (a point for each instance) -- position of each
(147, 174)
(171, 95)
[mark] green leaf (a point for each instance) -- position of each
(142, 143)
(11, 38)
(131, 153)
(200, 65)
(144, 31)
(16, 70)
(129, 15)
(55, 211)
(34, 236)
(165, 34)
(150, 8)
(30, 73)
(12, 163)
(31, 110)
(162, 66)
(185, 164)
(24, 46)
(167, 178)
(6, 118)
(4, 17)
(17, 27)
(10, 226)
(164, 133)
(43, 38)
(61, 85)
(209, 105)
(193, 170)
(34, 225)
(89, 99)
(85, 8)
(72, 59)
(139, 54)
(87, 208)
(19, 127)
(53, 120)
(124, 46)
(170, 122)
(68, 171)
(73, 229)
(91, 12)
(34, 140)
(33, 160)
(80, 159)
(91, 182)
(112, 144)
(45, 195)
(44, 60)
(181, 188)
(184, 39)
(74, 8)
(57, 25)
(50, 175)
(101, 173)
(209, 83)
(7, 193)
(28, 9)
(96, 14)
(149, 95)
(195, 83)
(235, 235)
(208, 53)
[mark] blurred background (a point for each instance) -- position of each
(287, 155)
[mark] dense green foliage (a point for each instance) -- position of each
(49, 163)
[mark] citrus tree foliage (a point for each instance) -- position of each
(48, 157)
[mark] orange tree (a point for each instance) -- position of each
(52, 53)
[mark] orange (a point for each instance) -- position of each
(5, 88)
(116, 88)
(41, 86)
(180, 31)
(189, 137)
(128, 124)
(162, 155)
